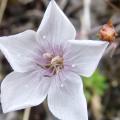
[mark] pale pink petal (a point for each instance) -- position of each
(66, 99)
(55, 26)
(84, 55)
(19, 50)
(21, 90)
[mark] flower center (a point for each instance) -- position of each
(54, 63)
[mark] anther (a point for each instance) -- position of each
(57, 60)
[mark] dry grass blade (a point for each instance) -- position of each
(26, 114)
(3, 4)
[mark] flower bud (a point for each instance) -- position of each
(107, 32)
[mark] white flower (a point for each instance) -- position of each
(47, 63)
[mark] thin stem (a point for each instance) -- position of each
(3, 4)
(26, 114)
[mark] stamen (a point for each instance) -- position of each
(57, 60)
(54, 63)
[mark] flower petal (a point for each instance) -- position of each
(55, 26)
(19, 49)
(85, 55)
(21, 90)
(67, 101)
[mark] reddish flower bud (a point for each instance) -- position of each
(107, 32)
